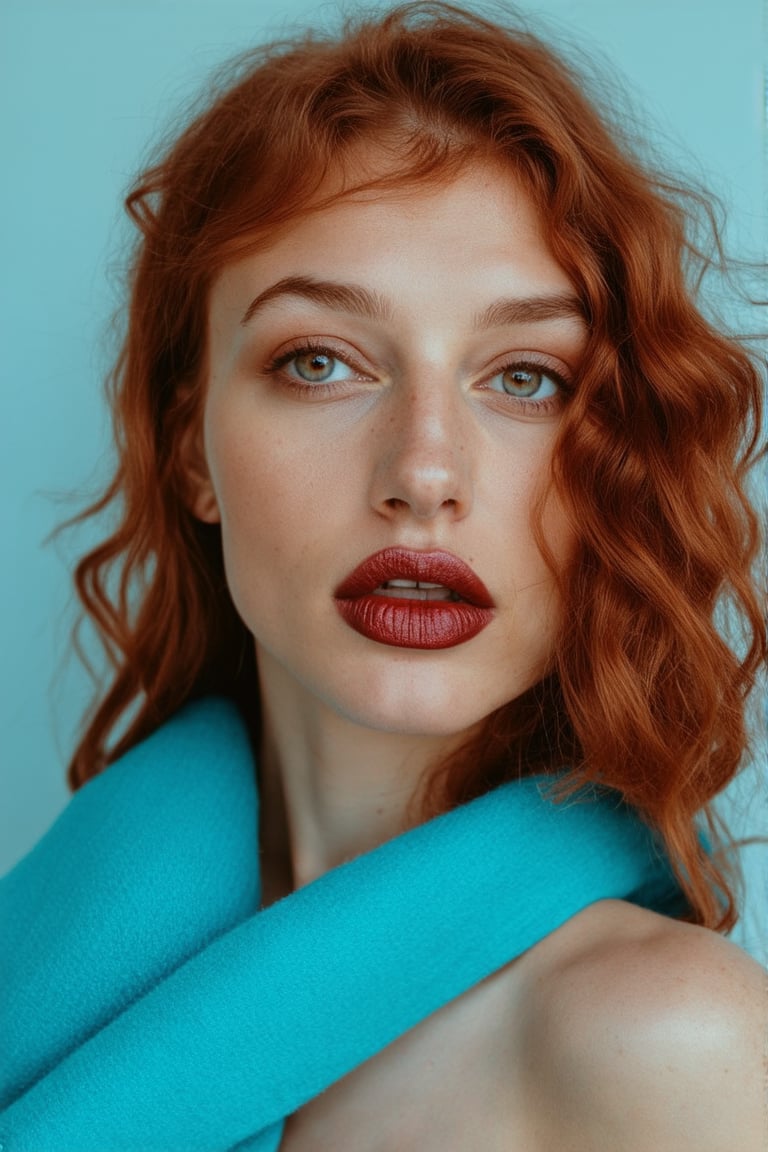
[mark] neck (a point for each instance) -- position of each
(330, 789)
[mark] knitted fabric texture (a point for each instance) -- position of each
(148, 1005)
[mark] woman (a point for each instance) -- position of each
(430, 463)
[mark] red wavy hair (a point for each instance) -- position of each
(644, 694)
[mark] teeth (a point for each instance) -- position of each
(411, 584)
(410, 590)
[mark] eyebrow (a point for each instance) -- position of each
(347, 297)
(372, 306)
(531, 310)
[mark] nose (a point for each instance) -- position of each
(423, 464)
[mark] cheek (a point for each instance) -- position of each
(277, 497)
(260, 516)
(561, 541)
(248, 491)
(536, 604)
(523, 495)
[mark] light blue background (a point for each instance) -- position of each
(84, 88)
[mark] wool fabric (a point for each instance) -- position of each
(147, 1004)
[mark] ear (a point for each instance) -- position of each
(193, 474)
(203, 503)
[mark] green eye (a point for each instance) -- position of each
(527, 382)
(522, 381)
(314, 367)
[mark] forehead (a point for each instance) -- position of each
(480, 229)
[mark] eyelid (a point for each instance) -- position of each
(538, 361)
(347, 354)
(317, 344)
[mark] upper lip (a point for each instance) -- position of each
(436, 567)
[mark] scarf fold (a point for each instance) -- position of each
(147, 1005)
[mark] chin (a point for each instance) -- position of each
(421, 706)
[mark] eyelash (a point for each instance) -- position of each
(312, 348)
(308, 346)
(544, 407)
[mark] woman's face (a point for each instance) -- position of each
(383, 382)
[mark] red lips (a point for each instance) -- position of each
(429, 619)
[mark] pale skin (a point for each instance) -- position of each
(428, 422)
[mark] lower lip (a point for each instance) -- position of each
(426, 624)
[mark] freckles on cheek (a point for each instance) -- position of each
(271, 502)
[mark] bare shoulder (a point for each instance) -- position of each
(643, 1034)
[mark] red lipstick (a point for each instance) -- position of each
(415, 599)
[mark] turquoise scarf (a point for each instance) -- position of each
(147, 1005)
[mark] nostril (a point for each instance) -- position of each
(421, 487)
(421, 507)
